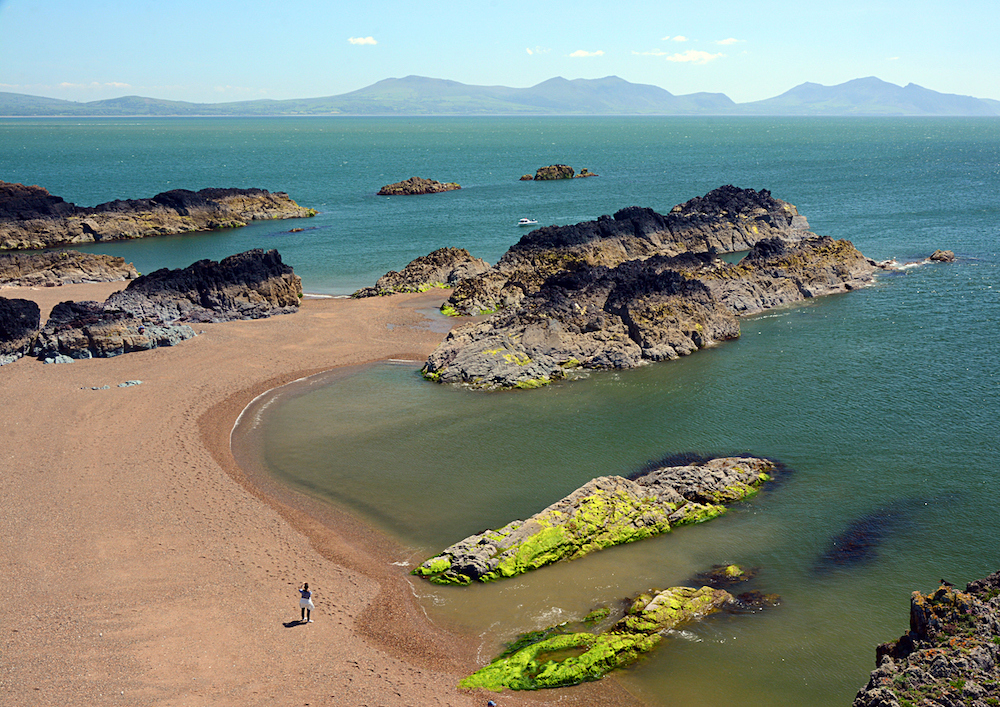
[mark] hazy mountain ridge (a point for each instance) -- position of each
(418, 95)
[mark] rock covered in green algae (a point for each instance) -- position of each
(566, 659)
(606, 511)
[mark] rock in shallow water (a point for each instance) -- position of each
(607, 511)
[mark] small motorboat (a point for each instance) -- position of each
(527, 222)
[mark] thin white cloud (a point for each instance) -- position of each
(655, 52)
(94, 84)
(680, 38)
(694, 56)
(893, 58)
(529, 51)
(665, 39)
(730, 40)
(581, 53)
(362, 40)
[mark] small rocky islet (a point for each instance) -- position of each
(556, 171)
(415, 186)
(32, 219)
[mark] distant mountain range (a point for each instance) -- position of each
(417, 95)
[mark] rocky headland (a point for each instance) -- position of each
(604, 512)
(32, 218)
(445, 267)
(53, 268)
(417, 185)
(950, 655)
(154, 310)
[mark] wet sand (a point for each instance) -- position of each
(143, 565)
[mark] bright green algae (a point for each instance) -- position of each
(555, 658)
(608, 511)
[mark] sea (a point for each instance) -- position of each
(881, 405)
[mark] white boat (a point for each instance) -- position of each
(527, 222)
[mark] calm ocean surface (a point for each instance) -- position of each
(884, 400)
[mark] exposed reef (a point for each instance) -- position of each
(444, 267)
(417, 185)
(560, 656)
(31, 218)
(606, 511)
(949, 656)
(53, 268)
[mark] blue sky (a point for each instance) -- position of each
(221, 50)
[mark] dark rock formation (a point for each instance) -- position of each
(150, 311)
(248, 285)
(417, 185)
(554, 171)
(607, 511)
(19, 322)
(860, 541)
(444, 267)
(727, 219)
(585, 173)
(60, 267)
(92, 330)
(637, 311)
(31, 218)
(942, 256)
(948, 657)
(725, 576)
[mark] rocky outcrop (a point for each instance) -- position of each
(561, 656)
(19, 323)
(607, 511)
(81, 330)
(61, 267)
(638, 311)
(153, 310)
(417, 185)
(949, 656)
(31, 218)
(249, 285)
(444, 267)
(727, 219)
(942, 256)
(554, 171)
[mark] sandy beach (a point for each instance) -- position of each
(142, 565)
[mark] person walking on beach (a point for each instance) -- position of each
(306, 603)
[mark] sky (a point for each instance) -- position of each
(225, 50)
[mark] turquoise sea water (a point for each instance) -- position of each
(885, 399)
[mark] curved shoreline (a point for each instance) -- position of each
(168, 571)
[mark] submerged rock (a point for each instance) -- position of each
(417, 185)
(60, 267)
(950, 655)
(31, 218)
(606, 511)
(19, 323)
(555, 658)
(444, 267)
